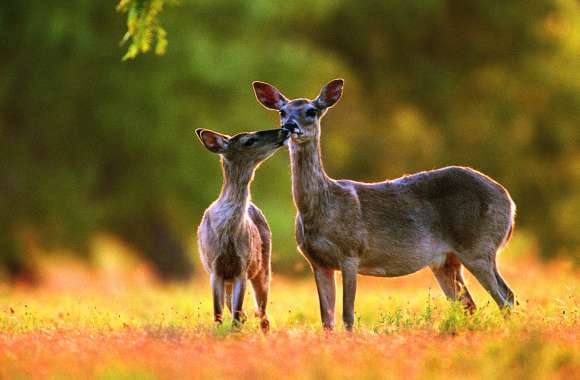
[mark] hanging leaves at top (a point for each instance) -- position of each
(143, 27)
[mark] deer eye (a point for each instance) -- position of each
(311, 112)
(249, 141)
(282, 113)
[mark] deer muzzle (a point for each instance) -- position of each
(292, 127)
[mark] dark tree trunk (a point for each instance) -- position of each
(154, 238)
(13, 260)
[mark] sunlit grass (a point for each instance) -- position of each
(116, 322)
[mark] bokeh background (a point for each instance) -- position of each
(91, 145)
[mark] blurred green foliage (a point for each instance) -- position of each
(92, 144)
(143, 26)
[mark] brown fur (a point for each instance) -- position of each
(234, 238)
(442, 218)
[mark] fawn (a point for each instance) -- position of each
(234, 238)
(445, 218)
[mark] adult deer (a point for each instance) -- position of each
(445, 219)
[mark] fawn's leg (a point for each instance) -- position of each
(261, 286)
(228, 296)
(349, 269)
(450, 278)
(229, 289)
(217, 287)
(326, 295)
(239, 290)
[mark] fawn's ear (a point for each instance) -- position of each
(213, 141)
(269, 96)
(330, 94)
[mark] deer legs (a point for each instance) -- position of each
(235, 295)
(217, 288)
(238, 292)
(326, 287)
(450, 278)
(326, 295)
(349, 269)
(261, 285)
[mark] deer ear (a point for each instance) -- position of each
(330, 94)
(269, 96)
(213, 141)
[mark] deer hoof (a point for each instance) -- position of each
(265, 325)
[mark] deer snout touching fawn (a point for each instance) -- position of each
(234, 237)
(445, 218)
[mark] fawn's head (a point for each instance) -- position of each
(299, 116)
(249, 148)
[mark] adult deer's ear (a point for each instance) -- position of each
(269, 96)
(213, 141)
(330, 94)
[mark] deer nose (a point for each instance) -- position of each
(292, 127)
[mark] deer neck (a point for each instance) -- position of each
(310, 184)
(235, 193)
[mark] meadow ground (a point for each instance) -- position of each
(116, 323)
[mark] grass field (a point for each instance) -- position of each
(114, 322)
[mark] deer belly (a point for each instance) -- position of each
(393, 264)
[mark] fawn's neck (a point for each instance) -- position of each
(310, 184)
(235, 193)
